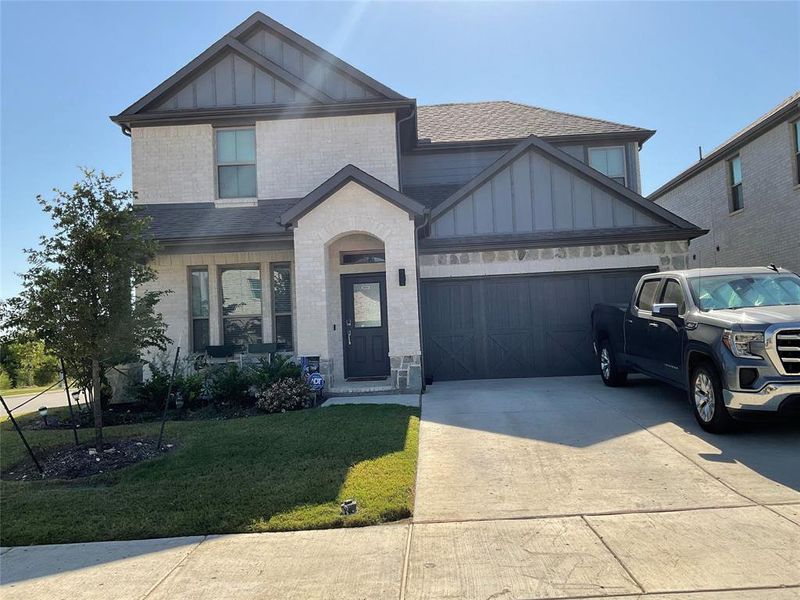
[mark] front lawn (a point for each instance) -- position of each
(268, 473)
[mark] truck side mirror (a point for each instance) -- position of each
(669, 310)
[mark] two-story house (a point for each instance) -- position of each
(300, 202)
(746, 192)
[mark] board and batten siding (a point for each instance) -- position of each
(458, 167)
(535, 194)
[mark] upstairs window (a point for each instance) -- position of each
(610, 161)
(737, 198)
(796, 128)
(236, 163)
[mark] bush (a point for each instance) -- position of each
(267, 372)
(285, 394)
(227, 384)
(188, 383)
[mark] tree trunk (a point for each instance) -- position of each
(97, 405)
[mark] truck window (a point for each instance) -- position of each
(673, 294)
(647, 294)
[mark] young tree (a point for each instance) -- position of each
(79, 290)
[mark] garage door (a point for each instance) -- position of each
(516, 326)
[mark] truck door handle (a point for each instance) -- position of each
(629, 320)
(651, 324)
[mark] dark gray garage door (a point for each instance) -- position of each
(517, 326)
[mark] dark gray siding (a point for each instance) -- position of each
(437, 168)
(533, 194)
(458, 167)
(310, 69)
(233, 81)
(521, 326)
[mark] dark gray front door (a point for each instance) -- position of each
(516, 326)
(365, 332)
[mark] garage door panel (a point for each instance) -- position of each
(516, 326)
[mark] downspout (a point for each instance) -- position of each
(399, 154)
(425, 219)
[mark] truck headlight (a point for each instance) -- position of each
(743, 344)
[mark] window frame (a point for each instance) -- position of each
(273, 304)
(657, 281)
(664, 284)
(192, 318)
(221, 293)
(624, 161)
(380, 254)
(734, 187)
(217, 164)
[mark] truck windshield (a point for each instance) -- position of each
(745, 290)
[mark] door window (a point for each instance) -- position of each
(367, 304)
(673, 294)
(647, 294)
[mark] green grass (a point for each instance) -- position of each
(267, 473)
(11, 392)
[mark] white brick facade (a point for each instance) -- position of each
(173, 164)
(767, 230)
(296, 155)
(173, 274)
(353, 210)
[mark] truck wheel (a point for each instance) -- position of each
(612, 375)
(708, 405)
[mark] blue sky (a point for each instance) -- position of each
(696, 72)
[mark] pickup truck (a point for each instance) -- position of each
(729, 337)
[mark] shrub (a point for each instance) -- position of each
(188, 383)
(228, 384)
(285, 394)
(266, 372)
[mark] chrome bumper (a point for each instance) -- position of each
(768, 398)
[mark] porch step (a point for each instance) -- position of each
(401, 399)
(360, 388)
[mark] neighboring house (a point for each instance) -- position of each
(300, 202)
(747, 193)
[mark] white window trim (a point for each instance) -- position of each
(244, 200)
(624, 160)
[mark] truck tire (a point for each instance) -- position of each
(708, 404)
(610, 371)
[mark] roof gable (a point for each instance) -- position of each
(260, 63)
(339, 180)
(536, 187)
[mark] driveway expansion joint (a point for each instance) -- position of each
(173, 569)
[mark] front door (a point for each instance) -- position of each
(365, 332)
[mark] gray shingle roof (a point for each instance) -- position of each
(481, 121)
(196, 221)
(431, 194)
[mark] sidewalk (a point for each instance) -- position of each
(559, 558)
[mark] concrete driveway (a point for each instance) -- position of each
(540, 488)
(561, 487)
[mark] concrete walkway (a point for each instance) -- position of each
(544, 488)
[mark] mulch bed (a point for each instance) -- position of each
(74, 462)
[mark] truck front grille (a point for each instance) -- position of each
(788, 347)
